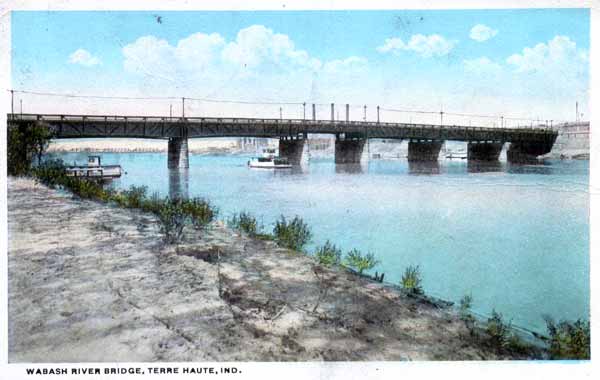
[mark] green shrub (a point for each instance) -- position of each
(411, 280)
(199, 211)
(293, 235)
(134, 196)
(86, 189)
(569, 340)
(328, 254)
(152, 204)
(359, 262)
(172, 217)
(51, 173)
(465, 312)
(119, 198)
(244, 222)
(497, 329)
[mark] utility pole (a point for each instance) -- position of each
(377, 114)
(21, 102)
(182, 107)
(12, 102)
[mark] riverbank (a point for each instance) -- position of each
(92, 282)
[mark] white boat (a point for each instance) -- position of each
(269, 160)
(94, 169)
(458, 155)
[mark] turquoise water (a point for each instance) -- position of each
(516, 238)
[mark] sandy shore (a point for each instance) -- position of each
(91, 282)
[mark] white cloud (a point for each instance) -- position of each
(258, 45)
(83, 57)
(425, 46)
(210, 63)
(482, 33)
(560, 54)
(352, 63)
(482, 66)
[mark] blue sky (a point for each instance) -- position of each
(532, 62)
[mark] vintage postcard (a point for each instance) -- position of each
(202, 190)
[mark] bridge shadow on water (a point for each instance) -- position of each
(348, 169)
(423, 167)
(485, 166)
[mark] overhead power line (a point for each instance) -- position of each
(288, 103)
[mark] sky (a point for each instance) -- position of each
(529, 63)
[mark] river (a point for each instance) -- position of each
(515, 237)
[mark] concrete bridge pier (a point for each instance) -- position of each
(527, 152)
(424, 150)
(292, 148)
(177, 154)
(349, 150)
(484, 151)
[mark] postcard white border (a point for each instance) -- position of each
(352, 370)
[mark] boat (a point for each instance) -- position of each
(94, 169)
(460, 154)
(269, 160)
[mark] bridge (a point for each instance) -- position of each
(424, 140)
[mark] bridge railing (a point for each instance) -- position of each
(220, 120)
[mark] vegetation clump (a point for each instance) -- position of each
(465, 314)
(569, 340)
(328, 254)
(134, 196)
(51, 173)
(359, 262)
(172, 217)
(294, 234)
(497, 329)
(200, 212)
(244, 222)
(411, 280)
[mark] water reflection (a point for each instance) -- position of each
(539, 168)
(348, 168)
(423, 167)
(179, 183)
(484, 166)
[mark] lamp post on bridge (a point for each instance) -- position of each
(441, 118)
(377, 114)
(365, 113)
(12, 101)
(332, 112)
(304, 111)
(182, 107)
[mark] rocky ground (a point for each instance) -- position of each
(89, 282)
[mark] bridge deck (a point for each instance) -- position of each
(93, 126)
